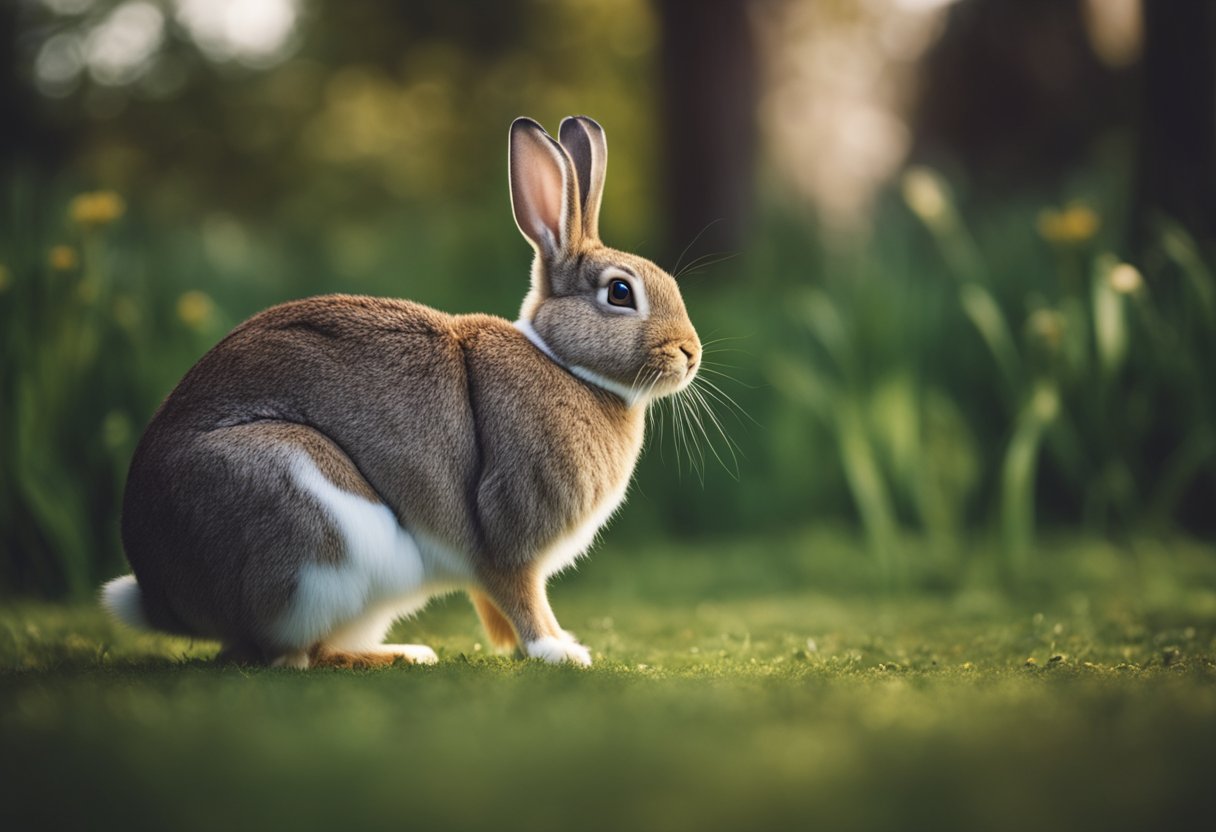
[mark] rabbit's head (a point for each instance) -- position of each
(615, 319)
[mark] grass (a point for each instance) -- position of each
(754, 684)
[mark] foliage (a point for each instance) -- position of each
(936, 387)
(87, 343)
(727, 695)
(941, 388)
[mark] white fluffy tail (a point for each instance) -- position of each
(123, 599)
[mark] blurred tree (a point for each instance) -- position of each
(1015, 93)
(23, 140)
(1177, 166)
(710, 94)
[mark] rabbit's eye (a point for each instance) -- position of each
(620, 293)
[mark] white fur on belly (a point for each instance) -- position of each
(567, 550)
(384, 574)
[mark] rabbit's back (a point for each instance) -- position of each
(383, 379)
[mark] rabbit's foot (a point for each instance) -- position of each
(381, 655)
(557, 650)
(412, 653)
(294, 659)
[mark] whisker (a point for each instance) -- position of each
(706, 262)
(740, 416)
(699, 434)
(747, 337)
(695, 397)
(731, 444)
(677, 435)
(685, 432)
(726, 377)
(726, 399)
(724, 349)
(676, 271)
(692, 443)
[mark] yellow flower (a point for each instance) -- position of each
(1075, 223)
(63, 258)
(195, 309)
(1125, 279)
(925, 194)
(5, 279)
(96, 208)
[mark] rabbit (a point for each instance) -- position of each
(335, 462)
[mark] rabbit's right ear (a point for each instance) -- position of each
(584, 140)
(543, 189)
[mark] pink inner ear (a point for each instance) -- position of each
(540, 182)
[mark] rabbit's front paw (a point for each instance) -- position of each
(556, 650)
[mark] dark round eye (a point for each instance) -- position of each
(620, 293)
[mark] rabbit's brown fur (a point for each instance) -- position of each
(482, 445)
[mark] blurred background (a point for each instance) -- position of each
(952, 260)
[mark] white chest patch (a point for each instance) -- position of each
(385, 571)
(562, 554)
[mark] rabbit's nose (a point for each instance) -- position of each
(690, 353)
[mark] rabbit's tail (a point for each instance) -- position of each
(123, 599)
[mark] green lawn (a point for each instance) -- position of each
(746, 685)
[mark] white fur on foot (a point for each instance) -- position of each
(296, 660)
(416, 653)
(556, 650)
(122, 599)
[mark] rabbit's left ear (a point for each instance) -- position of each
(584, 140)
(544, 194)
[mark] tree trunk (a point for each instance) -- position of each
(1014, 95)
(710, 91)
(1177, 175)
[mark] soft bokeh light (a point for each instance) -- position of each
(59, 63)
(1126, 279)
(839, 83)
(254, 32)
(120, 49)
(68, 7)
(1115, 30)
(922, 5)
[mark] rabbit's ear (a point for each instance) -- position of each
(543, 191)
(584, 140)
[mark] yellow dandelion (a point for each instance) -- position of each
(63, 258)
(96, 208)
(195, 309)
(6, 279)
(1126, 279)
(1074, 224)
(925, 194)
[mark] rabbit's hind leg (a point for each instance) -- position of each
(348, 566)
(496, 625)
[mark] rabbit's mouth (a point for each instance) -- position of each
(674, 369)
